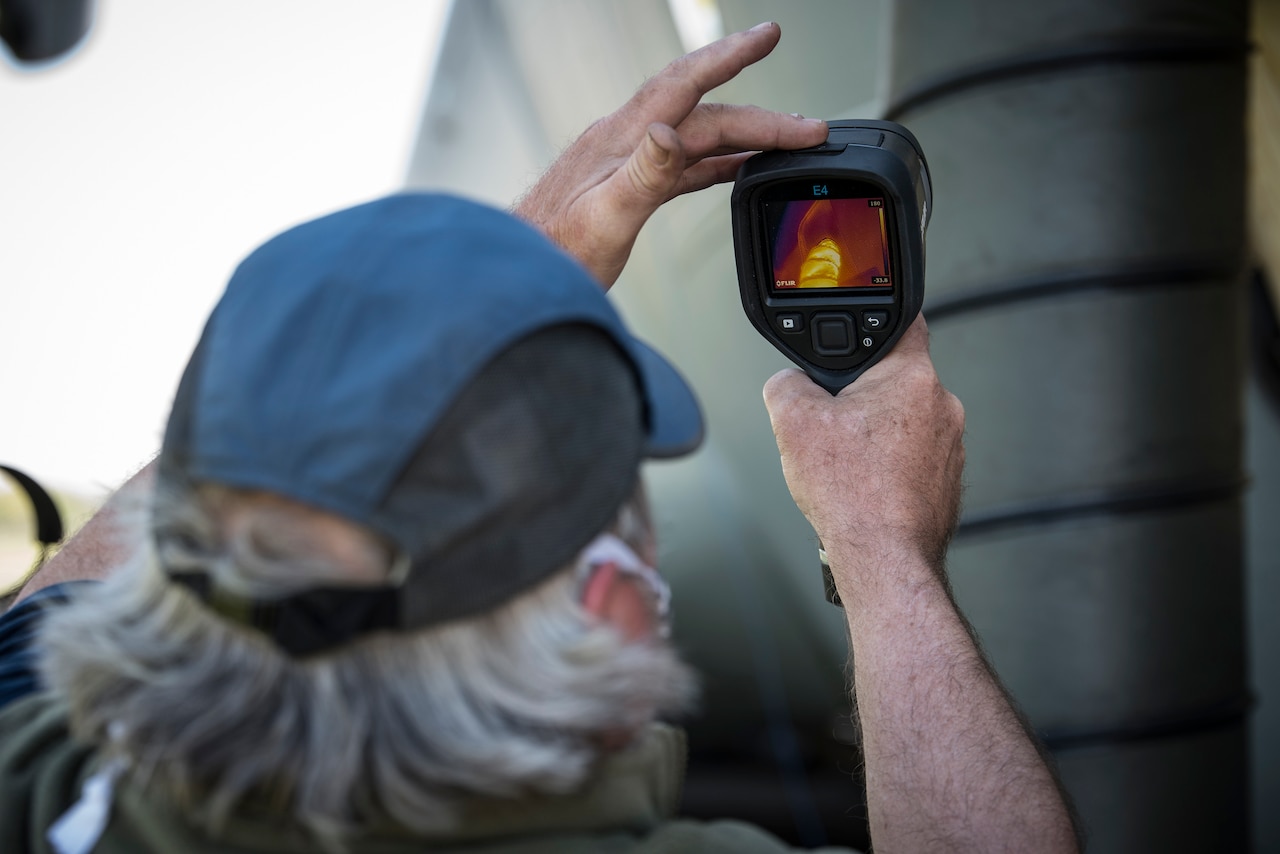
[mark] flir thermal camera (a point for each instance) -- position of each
(830, 246)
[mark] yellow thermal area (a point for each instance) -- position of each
(821, 267)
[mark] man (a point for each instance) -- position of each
(397, 590)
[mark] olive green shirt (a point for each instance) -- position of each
(628, 805)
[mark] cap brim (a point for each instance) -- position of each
(675, 419)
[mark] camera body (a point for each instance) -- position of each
(830, 246)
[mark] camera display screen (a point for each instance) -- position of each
(826, 242)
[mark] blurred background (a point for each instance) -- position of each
(1099, 291)
(137, 169)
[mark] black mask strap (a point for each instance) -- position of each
(306, 623)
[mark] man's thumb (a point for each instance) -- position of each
(655, 167)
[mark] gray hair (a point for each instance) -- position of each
(395, 725)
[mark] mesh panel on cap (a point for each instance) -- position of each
(530, 462)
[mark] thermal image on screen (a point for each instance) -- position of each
(829, 243)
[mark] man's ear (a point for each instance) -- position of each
(617, 599)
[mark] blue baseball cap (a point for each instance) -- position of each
(440, 372)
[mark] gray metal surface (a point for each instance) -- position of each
(1085, 256)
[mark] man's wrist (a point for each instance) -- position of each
(865, 571)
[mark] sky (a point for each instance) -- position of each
(136, 173)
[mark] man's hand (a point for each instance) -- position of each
(663, 142)
(876, 468)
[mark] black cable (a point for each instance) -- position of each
(1109, 502)
(1195, 722)
(1184, 273)
(1264, 338)
(1114, 52)
(49, 528)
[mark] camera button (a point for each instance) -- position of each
(875, 321)
(790, 323)
(833, 334)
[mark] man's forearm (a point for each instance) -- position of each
(949, 765)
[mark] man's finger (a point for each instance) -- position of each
(654, 168)
(716, 153)
(788, 387)
(711, 171)
(672, 93)
(714, 129)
